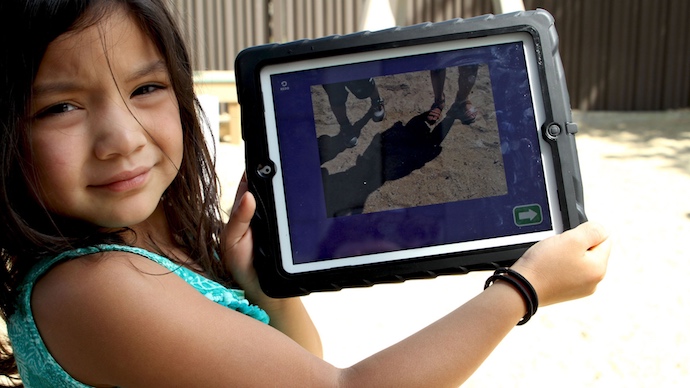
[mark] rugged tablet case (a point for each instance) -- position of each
(559, 131)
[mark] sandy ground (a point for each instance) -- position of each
(632, 333)
(421, 164)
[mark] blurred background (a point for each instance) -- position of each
(626, 63)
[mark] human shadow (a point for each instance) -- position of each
(331, 146)
(392, 154)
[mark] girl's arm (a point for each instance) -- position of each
(123, 320)
(287, 315)
(446, 353)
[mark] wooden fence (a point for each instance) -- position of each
(624, 54)
(617, 54)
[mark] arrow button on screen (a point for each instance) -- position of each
(527, 215)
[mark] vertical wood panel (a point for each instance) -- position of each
(229, 35)
(344, 17)
(198, 34)
(620, 47)
(319, 20)
(679, 53)
(594, 57)
(421, 11)
(646, 48)
(676, 72)
(641, 46)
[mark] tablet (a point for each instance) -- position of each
(407, 153)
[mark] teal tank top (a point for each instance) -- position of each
(38, 368)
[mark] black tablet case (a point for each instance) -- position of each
(558, 130)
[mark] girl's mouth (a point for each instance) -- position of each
(125, 181)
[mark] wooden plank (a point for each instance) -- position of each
(260, 11)
(618, 69)
(676, 61)
(231, 47)
(300, 22)
(215, 41)
(573, 39)
(648, 48)
(349, 19)
(333, 25)
(684, 78)
(598, 11)
(285, 14)
(319, 20)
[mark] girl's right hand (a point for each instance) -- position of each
(567, 266)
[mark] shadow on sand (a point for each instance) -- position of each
(392, 154)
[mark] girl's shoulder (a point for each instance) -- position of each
(103, 264)
(63, 301)
(95, 275)
(98, 280)
(115, 292)
(89, 272)
(94, 306)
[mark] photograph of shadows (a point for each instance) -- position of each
(407, 140)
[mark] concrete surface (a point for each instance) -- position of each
(632, 333)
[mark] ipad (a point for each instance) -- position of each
(407, 153)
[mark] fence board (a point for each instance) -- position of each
(624, 54)
(419, 11)
(677, 74)
(621, 47)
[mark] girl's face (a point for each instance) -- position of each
(105, 127)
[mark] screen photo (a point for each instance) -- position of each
(406, 140)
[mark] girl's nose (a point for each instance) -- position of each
(118, 132)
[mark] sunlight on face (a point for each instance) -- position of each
(106, 134)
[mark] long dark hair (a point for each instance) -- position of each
(29, 231)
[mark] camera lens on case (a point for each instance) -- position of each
(265, 171)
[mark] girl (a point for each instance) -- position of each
(115, 260)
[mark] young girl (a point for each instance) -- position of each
(117, 270)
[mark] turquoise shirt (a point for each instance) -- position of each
(38, 368)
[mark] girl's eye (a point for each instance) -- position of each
(146, 89)
(56, 109)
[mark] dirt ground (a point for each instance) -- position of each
(448, 161)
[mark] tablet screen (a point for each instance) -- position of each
(408, 152)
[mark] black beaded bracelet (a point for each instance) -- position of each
(525, 283)
(522, 285)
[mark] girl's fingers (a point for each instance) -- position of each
(567, 266)
(240, 218)
(242, 188)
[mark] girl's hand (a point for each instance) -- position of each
(238, 244)
(567, 266)
(287, 315)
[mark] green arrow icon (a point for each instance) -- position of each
(527, 215)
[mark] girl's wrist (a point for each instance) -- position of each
(520, 284)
